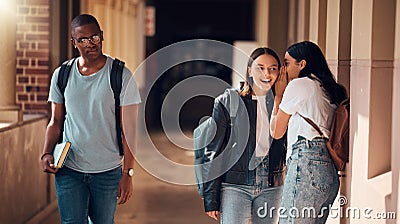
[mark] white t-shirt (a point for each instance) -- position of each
(262, 127)
(306, 97)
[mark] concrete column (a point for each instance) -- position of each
(70, 18)
(395, 199)
(108, 26)
(382, 52)
(262, 21)
(278, 28)
(344, 52)
(55, 35)
(141, 44)
(118, 31)
(128, 31)
(292, 17)
(97, 8)
(331, 54)
(9, 111)
(270, 31)
(123, 26)
(371, 105)
(338, 39)
(314, 15)
(131, 31)
(318, 13)
(84, 6)
(303, 20)
(338, 34)
(332, 35)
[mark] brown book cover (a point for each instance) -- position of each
(60, 153)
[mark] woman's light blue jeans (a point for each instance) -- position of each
(84, 195)
(241, 204)
(311, 183)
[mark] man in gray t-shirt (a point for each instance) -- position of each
(93, 176)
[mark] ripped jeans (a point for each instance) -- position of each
(311, 183)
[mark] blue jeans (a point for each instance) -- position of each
(83, 195)
(311, 183)
(241, 204)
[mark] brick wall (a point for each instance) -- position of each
(33, 42)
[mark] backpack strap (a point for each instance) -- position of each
(233, 102)
(116, 85)
(345, 102)
(63, 75)
(62, 81)
(313, 125)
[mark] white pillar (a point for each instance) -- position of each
(123, 24)
(395, 199)
(371, 105)
(303, 20)
(318, 14)
(262, 15)
(338, 39)
(9, 111)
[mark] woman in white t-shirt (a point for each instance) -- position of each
(312, 182)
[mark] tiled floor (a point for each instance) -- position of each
(158, 202)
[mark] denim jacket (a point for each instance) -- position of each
(244, 138)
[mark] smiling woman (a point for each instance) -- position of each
(257, 176)
(264, 72)
(262, 67)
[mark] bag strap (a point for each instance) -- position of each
(233, 102)
(313, 125)
(345, 102)
(116, 85)
(62, 81)
(63, 75)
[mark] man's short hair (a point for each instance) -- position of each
(84, 19)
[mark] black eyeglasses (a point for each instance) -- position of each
(95, 39)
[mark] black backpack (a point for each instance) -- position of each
(116, 85)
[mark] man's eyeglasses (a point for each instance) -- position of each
(95, 39)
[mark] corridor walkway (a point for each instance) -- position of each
(158, 202)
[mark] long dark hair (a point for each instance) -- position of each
(316, 65)
(247, 86)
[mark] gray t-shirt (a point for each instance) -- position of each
(90, 119)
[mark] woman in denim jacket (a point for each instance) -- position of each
(251, 183)
(312, 182)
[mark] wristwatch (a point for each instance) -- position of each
(129, 172)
